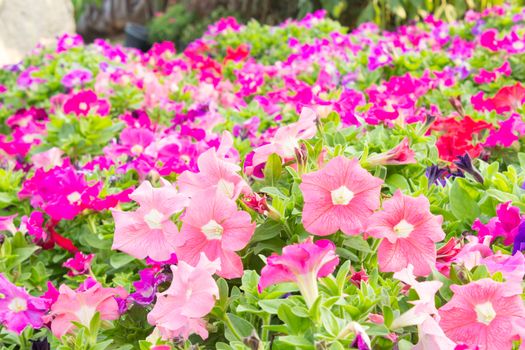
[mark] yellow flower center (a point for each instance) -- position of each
(73, 197)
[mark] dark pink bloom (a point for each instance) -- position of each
(401, 154)
(83, 102)
(79, 264)
(34, 224)
(505, 224)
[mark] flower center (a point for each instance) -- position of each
(212, 230)
(17, 305)
(485, 313)
(83, 106)
(226, 187)
(382, 59)
(137, 149)
(154, 219)
(85, 314)
(403, 228)
(518, 45)
(341, 196)
(73, 197)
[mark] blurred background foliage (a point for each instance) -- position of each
(185, 20)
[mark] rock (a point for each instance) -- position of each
(26, 23)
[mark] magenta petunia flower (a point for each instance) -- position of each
(302, 263)
(18, 309)
(409, 231)
(340, 196)
(149, 231)
(213, 225)
(505, 224)
(83, 102)
(79, 264)
(484, 313)
(68, 41)
(179, 310)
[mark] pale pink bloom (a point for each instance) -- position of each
(149, 231)
(302, 263)
(179, 310)
(287, 138)
(401, 154)
(6, 223)
(424, 307)
(81, 305)
(473, 253)
(340, 196)
(432, 337)
(212, 224)
(214, 174)
(48, 159)
(484, 313)
(410, 231)
(512, 267)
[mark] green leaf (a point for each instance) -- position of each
(273, 168)
(117, 260)
(462, 202)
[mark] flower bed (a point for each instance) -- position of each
(289, 187)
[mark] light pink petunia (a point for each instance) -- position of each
(179, 310)
(81, 305)
(432, 337)
(6, 223)
(484, 313)
(149, 231)
(341, 196)
(214, 174)
(212, 224)
(301, 263)
(286, 139)
(48, 159)
(410, 231)
(424, 307)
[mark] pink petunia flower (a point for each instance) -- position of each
(81, 305)
(215, 174)
(401, 154)
(409, 230)
(18, 309)
(6, 223)
(213, 225)
(302, 263)
(48, 159)
(179, 310)
(286, 139)
(149, 231)
(484, 313)
(340, 196)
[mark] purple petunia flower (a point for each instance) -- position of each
(77, 77)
